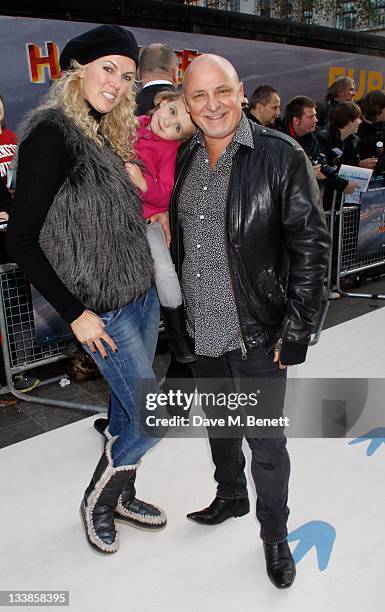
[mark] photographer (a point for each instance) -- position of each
(340, 143)
(341, 139)
(301, 122)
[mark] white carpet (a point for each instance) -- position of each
(191, 568)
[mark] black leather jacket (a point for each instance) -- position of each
(330, 139)
(277, 241)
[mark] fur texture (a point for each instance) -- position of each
(94, 233)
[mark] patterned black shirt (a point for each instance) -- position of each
(206, 284)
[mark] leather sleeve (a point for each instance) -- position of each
(308, 241)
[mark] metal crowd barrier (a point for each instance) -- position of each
(20, 349)
(349, 260)
(325, 302)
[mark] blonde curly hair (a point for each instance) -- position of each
(118, 127)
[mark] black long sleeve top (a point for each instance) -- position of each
(5, 198)
(44, 164)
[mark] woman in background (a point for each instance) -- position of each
(8, 149)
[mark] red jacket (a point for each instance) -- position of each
(7, 151)
(158, 157)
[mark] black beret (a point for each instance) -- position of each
(101, 41)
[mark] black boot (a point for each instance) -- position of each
(174, 322)
(101, 425)
(138, 513)
(99, 502)
(280, 564)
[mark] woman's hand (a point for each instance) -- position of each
(4, 216)
(163, 219)
(89, 330)
(136, 175)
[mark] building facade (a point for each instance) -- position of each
(361, 15)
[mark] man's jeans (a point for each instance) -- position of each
(129, 373)
(270, 464)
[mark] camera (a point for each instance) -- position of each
(326, 169)
(331, 167)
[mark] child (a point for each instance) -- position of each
(159, 136)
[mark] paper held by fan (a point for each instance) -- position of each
(360, 176)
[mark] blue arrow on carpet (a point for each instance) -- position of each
(376, 437)
(316, 534)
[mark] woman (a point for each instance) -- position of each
(7, 151)
(77, 231)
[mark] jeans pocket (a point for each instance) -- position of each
(110, 317)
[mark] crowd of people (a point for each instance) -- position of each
(332, 132)
(97, 171)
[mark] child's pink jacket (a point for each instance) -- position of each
(158, 157)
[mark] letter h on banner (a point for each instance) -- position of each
(37, 62)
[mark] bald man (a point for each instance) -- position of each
(251, 247)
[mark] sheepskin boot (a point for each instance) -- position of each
(136, 512)
(100, 500)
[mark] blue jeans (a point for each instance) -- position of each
(134, 328)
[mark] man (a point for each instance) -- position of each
(158, 70)
(301, 122)
(245, 211)
(341, 90)
(264, 107)
(341, 136)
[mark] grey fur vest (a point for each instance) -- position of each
(94, 233)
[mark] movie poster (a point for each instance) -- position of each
(371, 234)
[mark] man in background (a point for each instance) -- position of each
(158, 70)
(264, 107)
(342, 90)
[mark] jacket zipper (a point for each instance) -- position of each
(278, 344)
(242, 339)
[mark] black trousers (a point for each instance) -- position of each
(270, 460)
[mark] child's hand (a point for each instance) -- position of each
(136, 176)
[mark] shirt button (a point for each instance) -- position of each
(205, 188)
(206, 160)
(201, 216)
(199, 246)
(198, 275)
